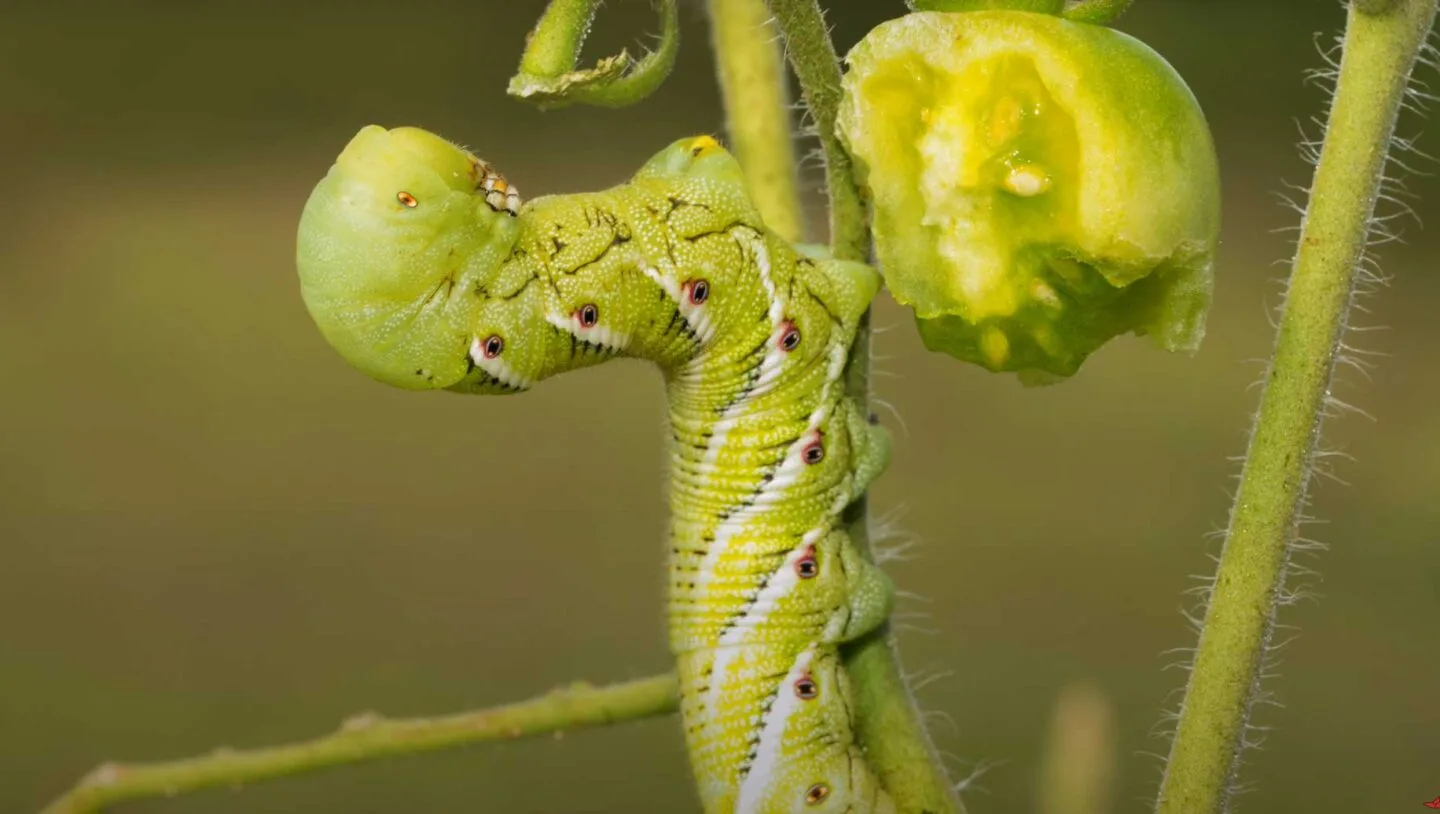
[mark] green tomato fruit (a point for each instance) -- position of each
(1038, 186)
(1043, 6)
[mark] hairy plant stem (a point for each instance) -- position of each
(888, 722)
(554, 44)
(1380, 50)
(812, 55)
(757, 109)
(368, 737)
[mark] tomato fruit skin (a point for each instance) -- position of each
(1042, 6)
(1037, 186)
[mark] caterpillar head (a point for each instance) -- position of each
(395, 248)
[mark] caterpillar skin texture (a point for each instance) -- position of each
(422, 282)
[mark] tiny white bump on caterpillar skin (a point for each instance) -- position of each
(496, 367)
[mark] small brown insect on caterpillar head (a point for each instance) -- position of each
(499, 193)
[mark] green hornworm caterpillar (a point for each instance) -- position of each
(419, 266)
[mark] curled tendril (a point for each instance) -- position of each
(549, 76)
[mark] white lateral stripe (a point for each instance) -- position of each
(669, 285)
(599, 334)
(776, 588)
(497, 367)
(695, 316)
(767, 755)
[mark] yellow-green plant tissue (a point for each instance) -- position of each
(1038, 186)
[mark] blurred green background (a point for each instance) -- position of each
(212, 531)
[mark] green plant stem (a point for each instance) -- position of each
(554, 44)
(888, 723)
(548, 75)
(368, 737)
(812, 55)
(1379, 52)
(757, 109)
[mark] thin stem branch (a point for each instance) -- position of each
(549, 76)
(1379, 53)
(888, 722)
(757, 109)
(368, 737)
(812, 55)
(555, 42)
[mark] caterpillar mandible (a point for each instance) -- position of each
(422, 276)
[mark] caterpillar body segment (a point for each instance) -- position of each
(752, 335)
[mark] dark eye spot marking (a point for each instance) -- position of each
(814, 452)
(806, 567)
(407, 199)
(698, 291)
(588, 315)
(816, 794)
(806, 689)
(492, 346)
(789, 337)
